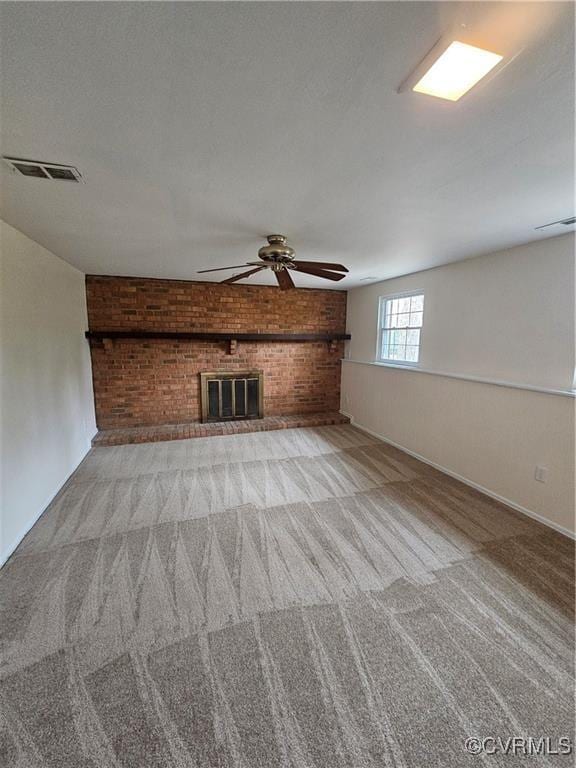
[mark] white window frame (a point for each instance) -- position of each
(382, 300)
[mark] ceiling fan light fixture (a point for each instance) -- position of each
(456, 71)
(277, 250)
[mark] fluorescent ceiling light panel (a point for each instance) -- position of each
(459, 68)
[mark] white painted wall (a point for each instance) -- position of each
(47, 412)
(507, 316)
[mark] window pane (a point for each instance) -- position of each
(416, 319)
(385, 343)
(399, 337)
(404, 304)
(403, 320)
(411, 354)
(417, 303)
(413, 337)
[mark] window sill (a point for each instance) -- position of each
(396, 364)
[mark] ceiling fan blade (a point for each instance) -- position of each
(322, 265)
(219, 269)
(320, 272)
(284, 280)
(241, 275)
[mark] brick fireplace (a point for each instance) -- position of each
(144, 381)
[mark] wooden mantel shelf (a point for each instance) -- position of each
(214, 336)
(230, 336)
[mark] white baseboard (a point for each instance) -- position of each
(486, 491)
(4, 557)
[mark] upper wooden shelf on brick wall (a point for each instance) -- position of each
(231, 336)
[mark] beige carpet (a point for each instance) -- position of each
(309, 598)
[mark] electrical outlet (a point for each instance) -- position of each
(541, 474)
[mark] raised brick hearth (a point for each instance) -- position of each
(153, 382)
(185, 431)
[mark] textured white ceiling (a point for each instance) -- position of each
(200, 127)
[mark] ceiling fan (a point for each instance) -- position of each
(279, 257)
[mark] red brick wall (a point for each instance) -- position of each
(145, 382)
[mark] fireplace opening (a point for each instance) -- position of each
(231, 396)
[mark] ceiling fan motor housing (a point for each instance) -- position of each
(277, 251)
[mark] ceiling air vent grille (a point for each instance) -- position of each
(41, 170)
